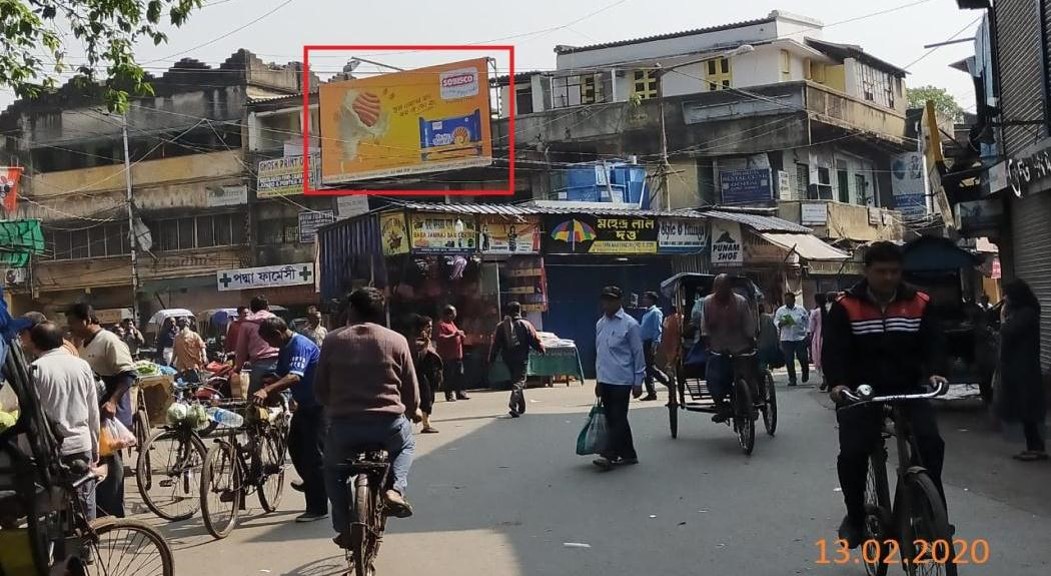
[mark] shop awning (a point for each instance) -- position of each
(807, 246)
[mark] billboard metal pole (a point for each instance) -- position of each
(132, 235)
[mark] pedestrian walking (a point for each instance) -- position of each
(1020, 397)
(313, 330)
(166, 342)
(132, 336)
(297, 363)
(449, 345)
(620, 368)
(429, 369)
(110, 359)
(651, 329)
(792, 321)
(670, 348)
(190, 355)
(252, 349)
(513, 339)
(817, 320)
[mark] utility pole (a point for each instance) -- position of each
(664, 168)
(132, 236)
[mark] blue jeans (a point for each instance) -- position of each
(260, 368)
(394, 433)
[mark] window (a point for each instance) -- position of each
(875, 85)
(824, 183)
(861, 188)
(717, 74)
(279, 231)
(843, 181)
(587, 90)
(802, 181)
(96, 242)
(645, 84)
(198, 232)
(524, 101)
(786, 66)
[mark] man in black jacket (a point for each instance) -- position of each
(513, 338)
(880, 333)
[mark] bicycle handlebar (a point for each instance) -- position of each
(863, 395)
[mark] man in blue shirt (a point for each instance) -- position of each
(297, 362)
(652, 329)
(620, 366)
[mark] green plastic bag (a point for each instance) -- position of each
(595, 435)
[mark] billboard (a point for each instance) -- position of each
(500, 236)
(424, 120)
(908, 185)
(590, 234)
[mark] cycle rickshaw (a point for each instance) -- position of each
(753, 394)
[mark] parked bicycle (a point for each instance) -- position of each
(914, 529)
(170, 462)
(251, 460)
(367, 475)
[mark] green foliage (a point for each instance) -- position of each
(944, 103)
(37, 33)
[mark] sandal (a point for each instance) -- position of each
(429, 430)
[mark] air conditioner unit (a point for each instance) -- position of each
(15, 276)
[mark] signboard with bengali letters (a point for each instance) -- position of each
(265, 277)
(600, 234)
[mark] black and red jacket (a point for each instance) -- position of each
(893, 351)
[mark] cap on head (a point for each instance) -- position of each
(612, 293)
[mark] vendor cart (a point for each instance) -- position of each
(753, 392)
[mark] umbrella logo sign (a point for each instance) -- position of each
(573, 231)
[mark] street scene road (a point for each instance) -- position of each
(501, 497)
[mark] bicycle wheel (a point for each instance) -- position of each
(673, 411)
(770, 405)
(221, 490)
(361, 529)
(167, 473)
(744, 419)
(924, 519)
(122, 546)
(141, 426)
(878, 523)
(272, 460)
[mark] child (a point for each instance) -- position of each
(428, 368)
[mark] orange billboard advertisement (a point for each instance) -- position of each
(426, 120)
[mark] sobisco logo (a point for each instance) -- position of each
(459, 83)
(457, 80)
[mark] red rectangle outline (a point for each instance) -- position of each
(308, 191)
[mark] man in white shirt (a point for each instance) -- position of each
(65, 385)
(792, 321)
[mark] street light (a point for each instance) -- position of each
(664, 167)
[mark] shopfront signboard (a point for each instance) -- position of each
(727, 245)
(749, 186)
(310, 221)
(220, 196)
(682, 235)
(606, 234)
(393, 234)
(442, 233)
(498, 235)
(1030, 172)
(265, 277)
(815, 214)
(284, 176)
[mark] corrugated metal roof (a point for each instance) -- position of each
(515, 210)
(563, 49)
(758, 222)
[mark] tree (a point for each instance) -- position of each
(35, 36)
(944, 103)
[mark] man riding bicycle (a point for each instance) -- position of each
(727, 328)
(367, 385)
(880, 333)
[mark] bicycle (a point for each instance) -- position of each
(179, 453)
(234, 468)
(368, 477)
(916, 524)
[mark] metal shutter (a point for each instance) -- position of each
(1021, 88)
(1032, 258)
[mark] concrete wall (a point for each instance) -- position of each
(846, 221)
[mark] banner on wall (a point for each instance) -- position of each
(411, 122)
(526, 283)
(908, 185)
(727, 245)
(591, 234)
(682, 235)
(501, 236)
(10, 177)
(437, 233)
(393, 234)
(265, 277)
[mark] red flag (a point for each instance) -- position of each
(9, 177)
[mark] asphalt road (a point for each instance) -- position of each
(501, 497)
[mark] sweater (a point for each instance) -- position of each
(366, 369)
(66, 387)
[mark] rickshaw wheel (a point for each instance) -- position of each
(770, 405)
(744, 421)
(673, 419)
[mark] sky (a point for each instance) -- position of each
(276, 30)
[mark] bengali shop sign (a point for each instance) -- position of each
(607, 234)
(265, 277)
